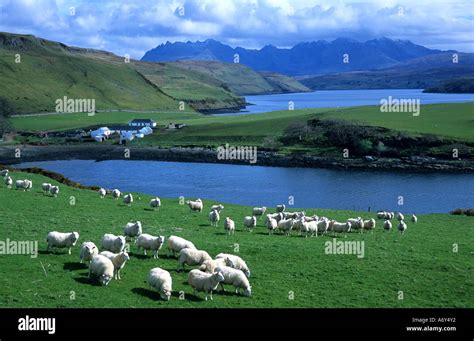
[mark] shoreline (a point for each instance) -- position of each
(31, 153)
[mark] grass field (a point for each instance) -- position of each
(421, 264)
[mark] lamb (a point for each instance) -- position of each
(229, 226)
(149, 242)
(103, 268)
(357, 223)
(192, 257)
(210, 266)
(280, 208)
(258, 211)
(62, 240)
(400, 216)
(369, 224)
(128, 199)
(133, 230)
(235, 278)
(340, 227)
(8, 182)
(161, 281)
(176, 244)
(195, 205)
(116, 194)
(286, 225)
(202, 281)
(155, 203)
(217, 208)
(88, 251)
(402, 227)
(414, 218)
(271, 224)
(235, 262)
(214, 218)
(250, 222)
(54, 190)
(46, 187)
(387, 225)
(113, 243)
(118, 260)
(102, 193)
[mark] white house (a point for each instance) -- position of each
(139, 122)
(101, 134)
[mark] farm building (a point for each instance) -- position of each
(139, 122)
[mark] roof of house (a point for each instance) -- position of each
(123, 128)
(142, 120)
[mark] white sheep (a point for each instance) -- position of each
(229, 226)
(54, 190)
(161, 281)
(23, 184)
(218, 208)
(402, 227)
(176, 244)
(46, 187)
(103, 268)
(258, 211)
(271, 224)
(286, 225)
(214, 218)
(323, 225)
(192, 257)
(116, 194)
(88, 251)
(196, 205)
(298, 225)
(133, 230)
(62, 240)
(210, 265)
(280, 208)
(387, 225)
(155, 203)
(400, 216)
(113, 243)
(250, 222)
(414, 218)
(309, 228)
(118, 260)
(369, 224)
(8, 182)
(235, 262)
(128, 199)
(356, 223)
(149, 242)
(340, 227)
(382, 215)
(236, 278)
(102, 193)
(202, 281)
(276, 216)
(4, 173)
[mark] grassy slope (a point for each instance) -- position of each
(421, 263)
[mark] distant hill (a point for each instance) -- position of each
(455, 86)
(418, 73)
(311, 58)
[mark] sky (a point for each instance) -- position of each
(134, 27)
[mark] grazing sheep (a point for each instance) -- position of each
(128, 199)
(102, 193)
(293, 215)
(210, 265)
(309, 228)
(258, 211)
(313, 218)
(271, 224)
(382, 215)
(113, 243)
(369, 224)
(176, 244)
(217, 208)
(276, 216)
(62, 240)
(391, 215)
(235, 278)
(235, 262)
(88, 251)
(400, 216)
(116, 194)
(8, 182)
(286, 225)
(23, 184)
(4, 173)
(192, 257)
(340, 227)
(161, 281)
(103, 268)
(280, 208)
(118, 260)
(356, 223)
(402, 227)
(414, 218)
(298, 225)
(214, 218)
(229, 226)
(155, 203)
(387, 225)
(250, 222)
(149, 242)
(195, 205)
(202, 281)
(132, 230)
(46, 187)
(54, 190)
(323, 225)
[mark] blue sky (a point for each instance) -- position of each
(133, 27)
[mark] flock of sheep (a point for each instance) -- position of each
(212, 273)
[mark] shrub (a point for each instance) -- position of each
(469, 212)
(457, 211)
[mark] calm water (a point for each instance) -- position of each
(344, 98)
(269, 186)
